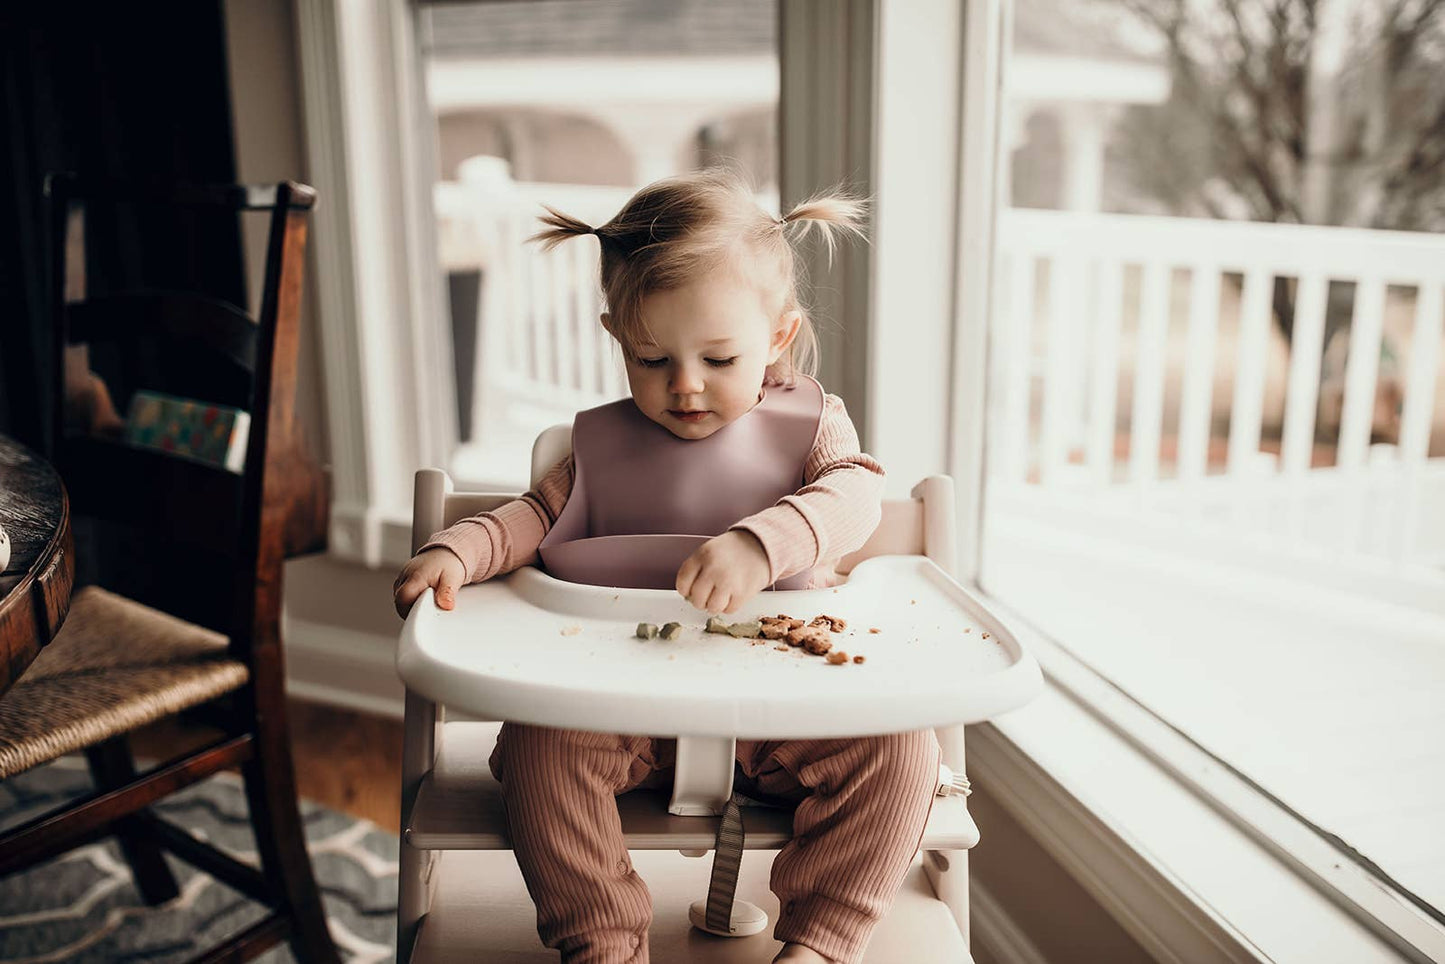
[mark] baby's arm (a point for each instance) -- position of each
(834, 513)
(487, 544)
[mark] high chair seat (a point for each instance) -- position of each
(459, 807)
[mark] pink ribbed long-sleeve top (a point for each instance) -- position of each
(833, 514)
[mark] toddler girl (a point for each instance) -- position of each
(727, 435)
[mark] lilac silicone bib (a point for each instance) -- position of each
(643, 499)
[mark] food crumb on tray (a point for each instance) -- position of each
(813, 637)
(571, 630)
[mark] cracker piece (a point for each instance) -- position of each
(646, 631)
(670, 630)
(716, 624)
(749, 630)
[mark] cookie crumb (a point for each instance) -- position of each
(832, 622)
(814, 639)
(874, 629)
(784, 648)
(968, 629)
(646, 631)
(772, 628)
(985, 635)
(838, 658)
(857, 659)
(670, 630)
(571, 630)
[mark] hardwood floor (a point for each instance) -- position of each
(348, 761)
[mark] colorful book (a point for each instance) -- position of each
(215, 434)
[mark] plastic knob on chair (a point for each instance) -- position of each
(747, 919)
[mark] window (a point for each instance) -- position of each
(575, 104)
(1215, 465)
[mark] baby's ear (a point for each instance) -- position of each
(783, 334)
(606, 320)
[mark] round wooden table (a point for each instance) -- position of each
(35, 586)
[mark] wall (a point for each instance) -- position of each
(1049, 916)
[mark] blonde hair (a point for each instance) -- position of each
(677, 229)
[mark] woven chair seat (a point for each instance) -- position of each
(115, 665)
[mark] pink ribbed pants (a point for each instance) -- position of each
(862, 806)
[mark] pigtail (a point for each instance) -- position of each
(832, 215)
(560, 227)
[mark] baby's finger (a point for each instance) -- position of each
(446, 589)
(687, 576)
(406, 595)
(700, 589)
(717, 600)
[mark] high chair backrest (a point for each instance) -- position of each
(436, 505)
(921, 525)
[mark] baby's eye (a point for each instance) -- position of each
(652, 362)
(721, 362)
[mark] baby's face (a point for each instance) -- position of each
(707, 347)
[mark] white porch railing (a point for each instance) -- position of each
(1067, 335)
(1060, 357)
(542, 353)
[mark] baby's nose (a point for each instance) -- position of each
(685, 381)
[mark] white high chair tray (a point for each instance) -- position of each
(533, 649)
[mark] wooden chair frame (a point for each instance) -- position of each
(282, 510)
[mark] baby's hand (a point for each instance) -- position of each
(725, 572)
(438, 568)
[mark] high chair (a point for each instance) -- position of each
(534, 649)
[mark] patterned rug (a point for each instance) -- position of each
(85, 908)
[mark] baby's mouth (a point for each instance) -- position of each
(688, 415)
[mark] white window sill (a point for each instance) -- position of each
(1123, 803)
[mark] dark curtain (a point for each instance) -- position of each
(107, 90)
